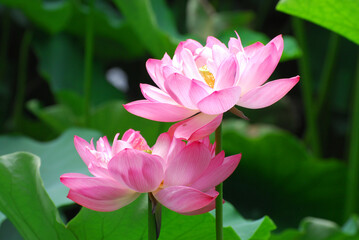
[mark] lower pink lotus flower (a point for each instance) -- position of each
(210, 80)
(181, 176)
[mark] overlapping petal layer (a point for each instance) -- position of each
(181, 175)
(211, 79)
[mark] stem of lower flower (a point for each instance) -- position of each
(353, 164)
(151, 221)
(88, 62)
(154, 217)
(219, 188)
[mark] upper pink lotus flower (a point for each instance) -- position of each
(181, 176)
(210, 80)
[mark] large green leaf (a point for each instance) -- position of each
(58, 156)
(50, 16)
(152, 23)
(24, 200)
(180, 227)
(339, 16)
(279, 178)
(130, 223)
(246, 229)
(61, 62)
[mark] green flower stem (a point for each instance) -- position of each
(219, 188)
(88, 62)
(154, 217)
(352, 197)
(151, 221)
(21, 80)
(306, 84)
(327, 73)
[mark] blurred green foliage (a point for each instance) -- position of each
(278, 182)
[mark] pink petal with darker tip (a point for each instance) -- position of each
(107, 205)
(211, 41)
(83, 149)
(227, 74)
(189, 66)
(267, 94)
(94, 187)
(162, 145)
(220, 101)
(187, 165)
(196, 127)
(207, 208)
(183, 199)
(153, 69)
(156, 111)
(251, 50)
(154, 94)
(140, 171)
(259, 68)
(218, 171)
(185, 91)
(135, 139)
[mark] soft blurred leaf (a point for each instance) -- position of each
(279, 178)
(2, 217)
(114, 37)
(246, 229)
(58, 117)
(291, 49)
(8, 231)
(320, 229)
(52, 16)
(154, 29)
(232, 20)
(112, 117)
(202, 19)
(109, 118)
(61, 62)
(24, 200)
(339, 16)
(164, 17)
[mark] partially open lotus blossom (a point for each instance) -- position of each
(210, 80)
(181, 176)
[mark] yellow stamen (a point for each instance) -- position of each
(148, 151)
(207, 76)
(161, 185)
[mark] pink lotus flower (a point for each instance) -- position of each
(181, 176)
(210, 80)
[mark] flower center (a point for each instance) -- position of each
(161, 185)
(207, 75)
